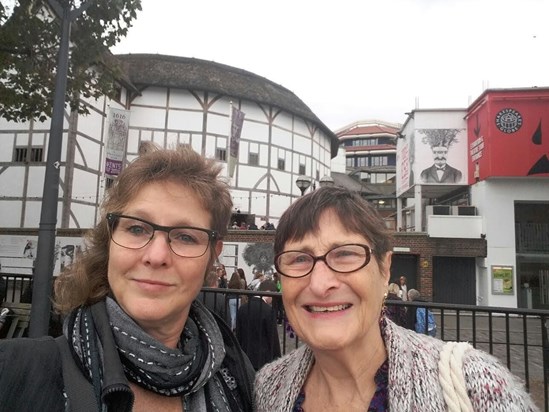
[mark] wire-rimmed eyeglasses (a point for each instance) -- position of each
(135, 233)
(341, 259)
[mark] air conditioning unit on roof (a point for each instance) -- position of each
(464, 210)
(439, 210)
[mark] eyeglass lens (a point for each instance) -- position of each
(342, 259)
(135, 234)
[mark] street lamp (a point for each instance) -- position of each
(43, 277)
(303, 182)
(326, 181)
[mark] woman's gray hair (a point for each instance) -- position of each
(413, 294)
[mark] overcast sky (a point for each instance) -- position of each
(351, 60)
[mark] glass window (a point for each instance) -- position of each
(281, 164)
(253, 159)
(22, 154)
(221, 154)
(302, 169)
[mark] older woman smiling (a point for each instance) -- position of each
(334, 254)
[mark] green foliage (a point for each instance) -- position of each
(29, 44)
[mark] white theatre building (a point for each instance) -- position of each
(171, 100)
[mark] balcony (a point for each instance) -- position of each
(532, 237)
(453, 222)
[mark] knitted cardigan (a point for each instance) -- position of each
(414, 383)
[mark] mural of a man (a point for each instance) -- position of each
(440, 141)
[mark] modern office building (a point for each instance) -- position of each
(370, 151)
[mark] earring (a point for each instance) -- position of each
(383, 307)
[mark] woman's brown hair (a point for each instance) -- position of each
(85, 282)
(354, 212)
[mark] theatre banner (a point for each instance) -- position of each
(237, 120)
(117, 135)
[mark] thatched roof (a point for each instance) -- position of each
(195, 74)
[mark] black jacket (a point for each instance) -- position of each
(31, 376)
(257, 331)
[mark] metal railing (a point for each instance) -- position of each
(517, 337)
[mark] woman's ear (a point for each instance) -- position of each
(218, 247)
(385, 266)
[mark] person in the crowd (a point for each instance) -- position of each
(233, 298)
(277, 300)
(403, 288)
(243, 285)
(396, 313)
(256, 328)
(420, 319)
(222, 276)
(333, 251)
(215, 302)
(256, 281)
(135, 338)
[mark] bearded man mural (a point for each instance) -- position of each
(440, 141)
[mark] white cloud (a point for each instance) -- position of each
(353, 59)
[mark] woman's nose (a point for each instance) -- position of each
(322, 279)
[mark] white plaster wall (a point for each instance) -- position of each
(440, 119)
(90, 125)
(88, 153)
(495, 200)
(10, 215)
(182, 120)
(455, 226)
(180, 98)
(35, 182)
(252, 131)
(170, 118)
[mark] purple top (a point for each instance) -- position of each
(379, 401)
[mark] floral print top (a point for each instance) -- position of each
(379, 402)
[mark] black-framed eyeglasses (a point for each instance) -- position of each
(135, 233)
(341, 259)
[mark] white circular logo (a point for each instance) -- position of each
(508, 120)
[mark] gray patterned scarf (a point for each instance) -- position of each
(189, 371)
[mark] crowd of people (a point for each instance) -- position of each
(252, 226)
(141, 333)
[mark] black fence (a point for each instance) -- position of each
(518, 337)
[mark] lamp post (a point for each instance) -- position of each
(326, 181)
(303, 183)
(43, 276)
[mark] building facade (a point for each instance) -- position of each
(169, 101)
(494, 186)
(370, 151)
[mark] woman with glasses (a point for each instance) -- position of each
(333, 253)
(135, 338)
